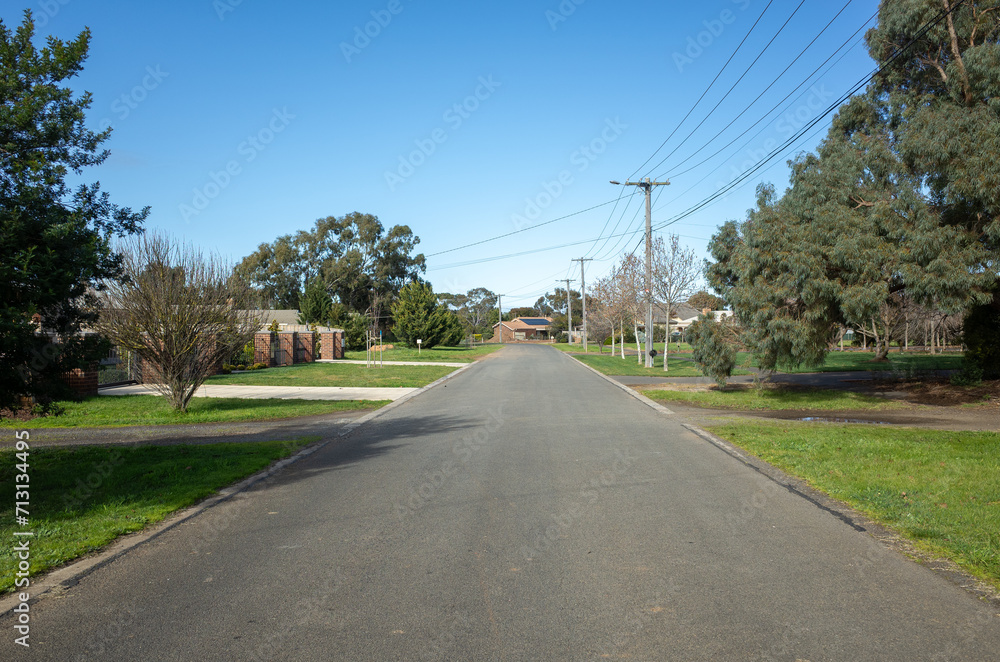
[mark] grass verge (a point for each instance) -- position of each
(350, 375)
(939, 489)
(680, 366)
(448, 354)
(903, 364)
(84, 498)
(776, 399)
(122, 410)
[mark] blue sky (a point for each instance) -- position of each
(241, 120)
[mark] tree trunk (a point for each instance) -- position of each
(621, 327)
(666, 345)
(612, 338)
(635, 329)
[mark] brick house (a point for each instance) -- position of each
(524, 329)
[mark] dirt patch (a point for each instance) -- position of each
(931, 418)
(941, 392)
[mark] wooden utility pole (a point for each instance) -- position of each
(647, 186)
(583, 297)
(569, 311)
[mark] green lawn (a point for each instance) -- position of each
(120, 410)
(337, 374)
(940, 489)
(83, 498)
(680, 365)
(447, 354)
(776, 399)
(903, 363)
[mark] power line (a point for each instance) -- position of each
(773, 108)
(746, 174)
(533, 227)
(684, 119)
(730, 90)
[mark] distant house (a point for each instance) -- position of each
(524, 329)
(684, 315)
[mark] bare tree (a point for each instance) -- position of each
(180, 311)
(676, 275)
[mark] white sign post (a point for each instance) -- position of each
(418, 346)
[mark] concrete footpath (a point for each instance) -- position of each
(277, 392)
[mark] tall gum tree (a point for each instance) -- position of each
(901, 197)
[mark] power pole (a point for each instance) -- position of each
(583, 297)
(647, 186)
(500, 318)
(569, 311)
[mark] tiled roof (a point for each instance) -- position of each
(520, 324)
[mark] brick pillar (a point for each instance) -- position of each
(306, 342)
(82, 382)
(327, 346)
(286, 349)
(338, 344)
(262, 348)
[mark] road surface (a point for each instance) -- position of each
(525, 510)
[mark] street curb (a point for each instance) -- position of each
(888, 538)
(67, 576)
(635, 394)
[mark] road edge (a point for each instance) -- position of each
(888, 538)
(635, 394)
(70, 574)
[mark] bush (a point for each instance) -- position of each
(48, 409)
(712, 349)
(241, 367)
(970, 375)
(226, 369)
(982, 341)
(258, 366)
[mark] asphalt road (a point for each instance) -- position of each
(525, 510)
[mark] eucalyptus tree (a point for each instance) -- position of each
(902, 197)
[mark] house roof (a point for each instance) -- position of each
(527, 324)
(681, 311)
(279, 316)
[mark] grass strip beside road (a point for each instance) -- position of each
(123, 410)
(777, 399)
(939, 489)
(348, 375)
(84, 498)
(852, 361)
(446, 354)
(679, 366)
